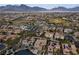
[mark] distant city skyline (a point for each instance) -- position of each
(48, 6)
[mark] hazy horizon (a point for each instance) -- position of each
(47, 6)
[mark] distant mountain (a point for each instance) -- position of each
(74, 9)
(59, 9)
(21, 7)
(65, 9)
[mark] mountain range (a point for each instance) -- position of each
(23, 7)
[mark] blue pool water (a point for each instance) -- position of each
(2, 46)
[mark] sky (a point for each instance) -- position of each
(43, 3)
(48, 6)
